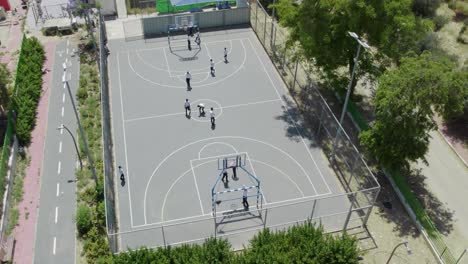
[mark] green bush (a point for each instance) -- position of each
(84, 219)
(440, 21)
(28, 87)
(95, 245)
(299, 244)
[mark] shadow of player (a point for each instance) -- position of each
(213, 126)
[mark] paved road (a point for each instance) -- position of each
(447, 179)
(55, 231)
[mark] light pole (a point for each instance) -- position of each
(348, 92)
(65, 80)
(74, 142)
(394, 249)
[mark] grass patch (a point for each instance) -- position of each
(90, 216)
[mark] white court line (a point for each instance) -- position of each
(56, 214)
(214, 138)
(67, 50)
(293, 120)
(167, 63)
(125, 141)
(255, 174)
(214, 143)
(55, 244)
(63, 98)
(183, 113)
(218, 80)
(192, 71)
(63, 111)
(219, 156)
(58, 189)
(196, 186)
(210, 215)
(59, 167)
(61, 131)
(68, 42)
(174, 183)
(60, 147)
(281, 172)
(207, 50)
(208, 42)
(64, 85)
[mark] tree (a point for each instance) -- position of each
(407, 98)
(5, 79)
(321, 26)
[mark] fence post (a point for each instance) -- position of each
(164, 236)
(461, 255)
(295, 74)
(445, 249)
(348, 216)
(313, 210)
(370, 209)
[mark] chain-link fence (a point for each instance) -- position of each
(109, 183)
(335, 213)
(343, 155)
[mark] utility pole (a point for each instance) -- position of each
(348, 92)
(83, 136)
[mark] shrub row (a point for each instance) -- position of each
(299, 244)
(90, 214)
(28, 87)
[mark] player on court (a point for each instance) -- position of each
(188, 77)
(212, 117)
(225, 55)
(245, 203)
(197, 39)
(212, 69)
(188, 112)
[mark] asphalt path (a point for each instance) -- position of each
(446, 178)
(55, 231)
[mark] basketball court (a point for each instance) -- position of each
(174, 163)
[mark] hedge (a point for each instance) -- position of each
(28, 87)
(299, 244)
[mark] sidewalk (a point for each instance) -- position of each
(442, 186)
(25, 231)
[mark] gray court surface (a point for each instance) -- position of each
(171, 161)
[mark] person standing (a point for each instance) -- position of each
(188, 77)
(212, 69)
(188, 112)
(212, 117)
(197, 39)
(225, 177)
(122, 175)
(234, 172)
(188, 43)
(225, 55)
(245, 203)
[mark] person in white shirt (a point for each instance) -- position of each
(212, 117)
(188, 112)
(188, 77)
(225, 55)
(245, 203)
(212, 69)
